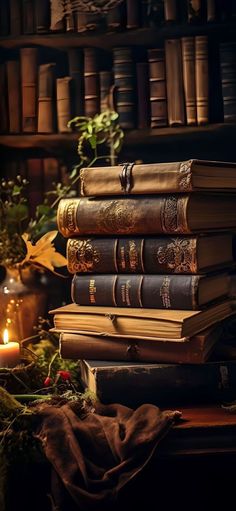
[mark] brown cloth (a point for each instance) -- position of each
(95, 456)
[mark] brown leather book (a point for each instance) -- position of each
(193, 350)
(169, 214)
(133, 14)
(128, 322)
(159, 254)
(14, 96)
(29, 79)
(4, 120)
(157, 86)
(125, 86)
(202, 80)
(115, 17)
(42, 15)
(91, 83)
(46, 98)
(81, 19)
(27, 8)
(188, 55)
(170, 10)
(63, 104)
(76, 71)
(143, 94)
(106, 95)
(185, 292)
(153, 178)
(15, 17)
(174, 82)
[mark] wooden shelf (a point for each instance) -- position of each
(62, 141)
(107, 40)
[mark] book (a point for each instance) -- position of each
(63, 86)
(228, 79)
(156, 178)
(157, 86)
(46, 98)
(4, 117)
(76, 68)
(91, 82)
(187, 292)
(29, 79)
(143, 94)
(125, 87)
(14, 96)
(106, 89)
(202, 79)
(160, 254)
(174, 82)
(193, 350)
(151, 323)
(42, 15)
(132, 384)
(188, 56)
(168, 214)
(28, 21)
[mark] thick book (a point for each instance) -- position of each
(174, 82)
(63, 86)
(156, 178)
(29, 79)
(91, 82)
(188, 56)
(202, 79)
(131, 322)
(46, 98)
(193, 350)
(132, 384)
(125, 86)
(187, 292)
(143, 94)
(160, 254)
(76, 70)
(157, 87)
(169, 214)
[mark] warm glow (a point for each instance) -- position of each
(5, 336)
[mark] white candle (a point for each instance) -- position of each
(9, 352)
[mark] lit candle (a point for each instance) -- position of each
(9, 352)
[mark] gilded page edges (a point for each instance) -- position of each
(185, 176)
(67, 217)
(173, 214)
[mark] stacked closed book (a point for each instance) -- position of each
(150, 247)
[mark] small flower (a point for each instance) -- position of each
(64, 375)
(48, 381)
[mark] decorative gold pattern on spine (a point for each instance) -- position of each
(165, 293)
(66, 217)
(173, 214)
(179, 256)
(81, 176)
(195, 286)
(140, 291)
(133, 256)
(116, 217)
(185, 176)
(82, 256)
(142, 254)
(114, 291)
(115, 254)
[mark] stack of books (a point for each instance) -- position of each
(150, 247)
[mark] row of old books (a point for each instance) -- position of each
(150, 247)
(172, 87)
(43, 16)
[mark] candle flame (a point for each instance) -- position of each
(5, 336)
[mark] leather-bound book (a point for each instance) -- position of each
(133, 14)
(29, 79)
(202, 79)
(212, 10)
(70, 22)
(46, 98)
(132, 323)
(193, 350)
(81, 19)
(159, 254)
(170, 10)
(174, 82)
(106, 94)
(4, 18)
(143, 94)
(188, 55)
(228, 79)
(76, 71)
(115, 18)
(157, 87)
(28, 17)
(159, 214)
(154, 178)
(63, 104)
(124, 81)
(91, 82)
(15, 17)
(14, 96)
(42, 15)
(4, 120)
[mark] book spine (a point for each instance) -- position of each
(170, 10)
(152, 215)
(4, 120)
(14, 96)
(150, 291)
(188, 55)
(212, 10)
(15, 17)
(194, 8)
(162, 254)
(81, 19)
(106, 83)
(228, 80)
(91, 83)
(29, 75)
(163, 383)
(124, 81)
(133, 14)
(4, 18)
(28, 17)
(42, 16)
(202, 83)
(63, 103)
(174, 81)
(157, 84)
(76, 71)
(70, 22)
(46, 97)
(115, 18)
(143, 94)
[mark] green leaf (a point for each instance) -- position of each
(92, 139)
(17, 213)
